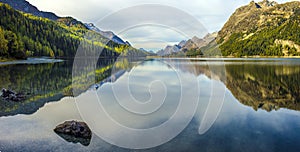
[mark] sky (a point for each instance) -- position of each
(149, 24)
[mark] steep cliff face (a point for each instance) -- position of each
(259, 29)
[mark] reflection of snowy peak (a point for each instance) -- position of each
(108, 34)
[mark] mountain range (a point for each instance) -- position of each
(263, 28)
(189, 47)
(169, 50)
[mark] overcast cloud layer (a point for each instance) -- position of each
(212, 14)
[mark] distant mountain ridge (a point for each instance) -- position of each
(190, 47)
(196, 43)
(169, 50)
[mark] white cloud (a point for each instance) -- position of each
(212, 14)
(149, 36)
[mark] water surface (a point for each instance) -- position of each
(260, 110)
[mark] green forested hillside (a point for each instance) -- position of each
(259, 29)
(264, 28)
(24, 35)
(263, 42)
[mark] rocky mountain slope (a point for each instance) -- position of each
(196, 43)
(169, 50)
(265, 28)
(108, 34)
(247, 17)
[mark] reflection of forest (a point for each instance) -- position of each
(268, 87)
(84, 75)
(46, 82)
(42, 83)
(264, 86)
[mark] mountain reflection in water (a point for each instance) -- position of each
(260, 110)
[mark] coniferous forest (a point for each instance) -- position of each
(24, 35)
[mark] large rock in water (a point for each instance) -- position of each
(73, 131)
(74, 128)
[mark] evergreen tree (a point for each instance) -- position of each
(3, 44)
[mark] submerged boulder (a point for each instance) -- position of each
(74, 131)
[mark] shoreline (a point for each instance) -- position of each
(40, 60)
(231, 57)
(7, 59)
(262, 57)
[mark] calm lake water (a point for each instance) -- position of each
(259, 101)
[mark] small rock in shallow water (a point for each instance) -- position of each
(6, 93)
(10, 95)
